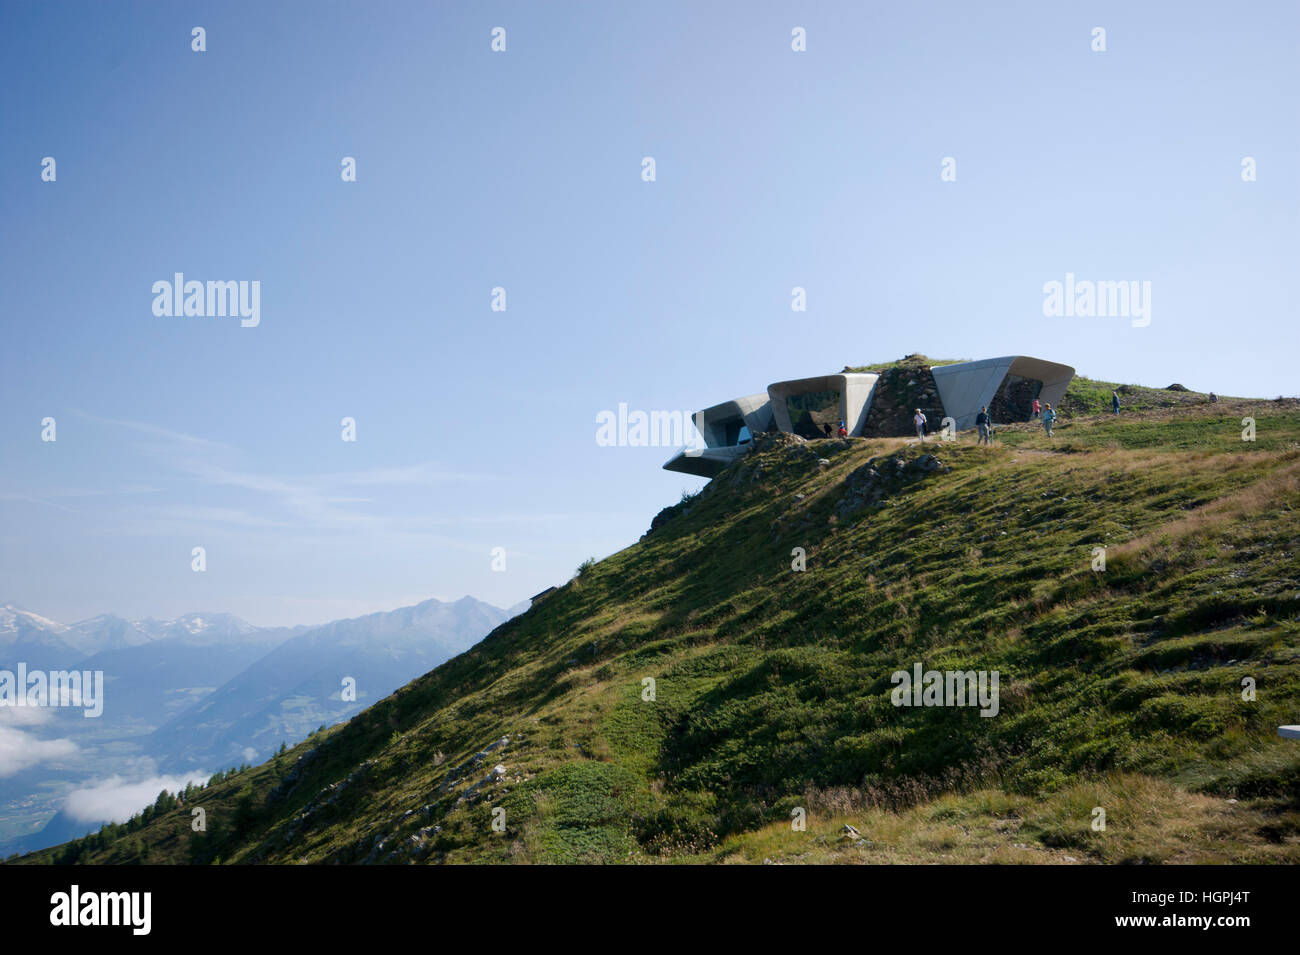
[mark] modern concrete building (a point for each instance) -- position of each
(804, 406)
(734, 422)
(727, 430)
(967, 386)
(704, 462)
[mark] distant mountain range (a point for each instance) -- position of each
(153, 669)
(34, 639)
(207, 691)
(299, 685)
(21, 629)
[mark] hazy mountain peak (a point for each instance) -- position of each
(13, 617)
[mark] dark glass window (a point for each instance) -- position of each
(812, 410)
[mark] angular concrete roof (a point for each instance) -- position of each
(855, 390)
(719, 425)
(704, 462)
(754, 410)
(967, 386)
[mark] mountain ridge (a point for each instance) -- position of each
(686, 697)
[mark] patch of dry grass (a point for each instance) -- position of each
(1147, 820)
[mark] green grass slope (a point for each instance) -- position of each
(1120, 690)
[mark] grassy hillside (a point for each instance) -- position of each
(1119, 689)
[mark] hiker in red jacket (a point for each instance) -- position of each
(1037, 408)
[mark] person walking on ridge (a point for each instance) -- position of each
(919, 421)
(1049, 419)
(1114, 402)
(1037, 408)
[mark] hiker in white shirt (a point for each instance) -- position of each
(919, 421)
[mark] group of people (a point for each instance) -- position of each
(1044, 414)
(841, 431)
(985, 423)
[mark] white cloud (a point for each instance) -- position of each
(23, 715)
(20, 750)
(117, 800)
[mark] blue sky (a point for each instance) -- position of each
(476, 429)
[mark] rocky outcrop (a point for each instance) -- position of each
(899, 392)
(880, 477)
(326, 798)
(456, 773)
(1014, 400)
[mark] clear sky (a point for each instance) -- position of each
(523, 170)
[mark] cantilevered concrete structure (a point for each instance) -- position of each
(1007, 386)
(967, 386)
(724, 425)
(704, 462)
(815, 401)
(727, 430)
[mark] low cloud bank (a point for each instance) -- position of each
(116, 800)
(19, 750)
